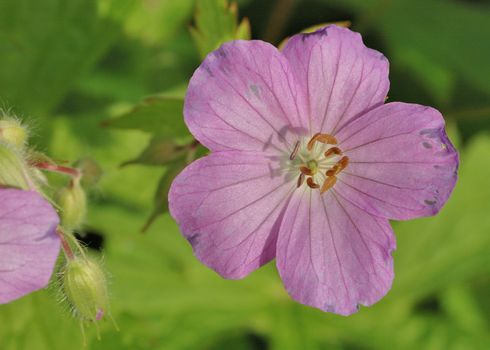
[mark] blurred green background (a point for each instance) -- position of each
(67, 67)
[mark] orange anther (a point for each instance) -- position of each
(295, 151)
(305, 170)
(311, 183)
(328, 184)
(337, 168)
(343, 163)
(333, 150)
(301, 179)
(333, 170)
(323, 138)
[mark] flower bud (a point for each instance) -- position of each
(91, 170)
(13, 170)
(73, 204)
(12, 132)
(85, 288)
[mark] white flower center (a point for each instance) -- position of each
(317, 161)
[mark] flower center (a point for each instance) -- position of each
(318, 161)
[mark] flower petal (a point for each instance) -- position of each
(342, 77)
(402, 165)
(333, 255)
(243, 97)
(228, 206)
(29, 245)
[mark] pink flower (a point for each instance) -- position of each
(307, 166)
(29, 245)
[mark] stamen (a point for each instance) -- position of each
(311, 183)
(333, 170)
(337, 168)
(343, 163)
(295, 151)
(301, 179)
(323, 138)
(305, 170)
(328, 184)
(333, 150)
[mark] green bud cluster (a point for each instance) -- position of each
(82, 281)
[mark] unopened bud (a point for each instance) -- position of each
(91, 170)
(12, 132)
(13, 170)
(73, 204)
(85, 288)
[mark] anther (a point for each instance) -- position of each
(305, 170)
(311, 183)
(333, 170)
(328, 184)
(337, 168)
(301, 179)
(333, 150)
(343, 163)
(295, 151)
(323, 138)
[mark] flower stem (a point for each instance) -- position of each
(65, 245)
(58, 169)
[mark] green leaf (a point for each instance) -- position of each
(80, 136)
(155, 21)
(448, 36)
(216, 23)
(46, 46)
(160, 204)
(158, 115)
(452, 247)
(160, 151)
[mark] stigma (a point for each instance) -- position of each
(317, 161)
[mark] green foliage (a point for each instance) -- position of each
(160, 205)
(216, 23)
(75, 65)
(158, 115)
(157, 21)
(160, 151)
(162, 117)
(46, 45)
(442, 42)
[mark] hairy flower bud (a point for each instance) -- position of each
(85, 288)
(13, 170)
(73, 204)
(12, 132)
